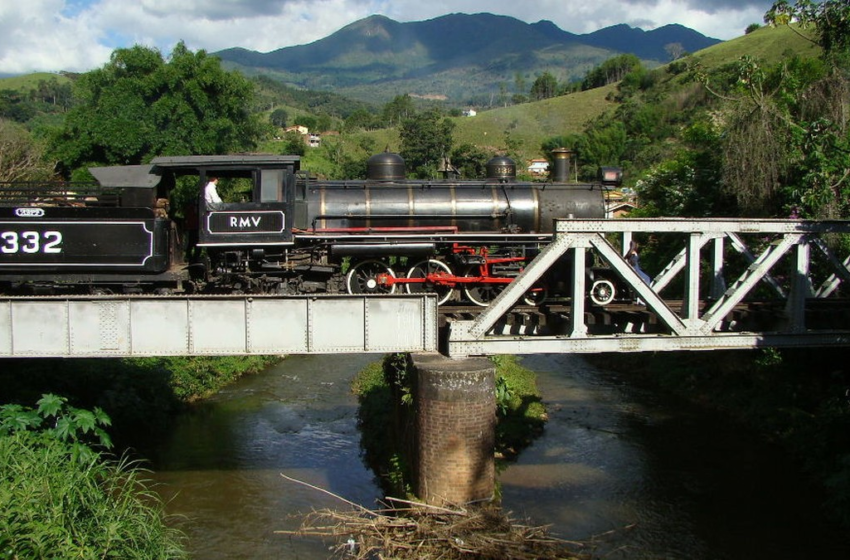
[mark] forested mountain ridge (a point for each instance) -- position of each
(456, 57)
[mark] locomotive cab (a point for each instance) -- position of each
(250, 231)
(262, 218)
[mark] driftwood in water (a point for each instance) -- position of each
(406, 529)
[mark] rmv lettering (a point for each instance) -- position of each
(244, 221)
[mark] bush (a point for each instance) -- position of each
(61, 498)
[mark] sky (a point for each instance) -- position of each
(79, 35)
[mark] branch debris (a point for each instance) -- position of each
(407, 529)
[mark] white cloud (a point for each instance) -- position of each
(78, 35)
(36, 36)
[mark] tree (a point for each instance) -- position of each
(293, 144)
(519, 85)
(830, 20)
(21, 158)
(397, 110)
(324, 122)
(426, 140)
(689, 183)
(308, 121)
(544, 87)
(470, 161)
(139, 106)
(52, 92)
(610, 71)
(14, 106)
(279, 117)
(674, 50)
(361, 119)
(787, 143)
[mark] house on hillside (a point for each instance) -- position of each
(314, 141)
(300, 129)
(619, 204)
(538, 167)
(469, 113)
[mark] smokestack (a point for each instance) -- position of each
(561, 173)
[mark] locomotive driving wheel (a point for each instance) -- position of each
(367, 277)
(481, 294)
(602, 292)
(430, 270)
(536, 295)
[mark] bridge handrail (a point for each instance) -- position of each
(701, 225)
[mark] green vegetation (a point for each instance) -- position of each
(192, 378)
(63, 498)
(522, 414)
(137, 394)
(769, 44)
(139, 106)
(611, 71)
(22, 156)
(426, 140)
(24, 98)
(716, 135)
(386, 402)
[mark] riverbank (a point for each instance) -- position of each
(140, 395)
(798, 399)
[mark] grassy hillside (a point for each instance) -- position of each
(767, 43)
(528, 124)
(30, 81)
(531, 123)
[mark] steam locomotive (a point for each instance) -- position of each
(464, 240)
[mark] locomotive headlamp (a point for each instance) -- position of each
(611, 176)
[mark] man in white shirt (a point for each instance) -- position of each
(211, 193)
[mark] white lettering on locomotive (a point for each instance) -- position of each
(244, 221)
(31, 242)
(29, 212)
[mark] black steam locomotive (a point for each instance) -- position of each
(293, 234)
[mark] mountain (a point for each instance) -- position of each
(456, 57)
(648, 45)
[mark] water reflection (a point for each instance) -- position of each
(220, 468)
(657, 478)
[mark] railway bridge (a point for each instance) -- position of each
(728, 284)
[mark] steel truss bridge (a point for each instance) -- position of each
(730, 284)
(736, 284)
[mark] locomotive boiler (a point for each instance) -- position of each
(463, 240)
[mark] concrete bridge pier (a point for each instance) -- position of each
(455, 420)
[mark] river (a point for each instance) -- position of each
(633, 474)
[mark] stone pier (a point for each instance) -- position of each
(455, 429)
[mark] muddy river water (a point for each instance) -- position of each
(632, 474)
